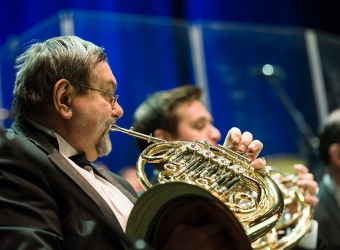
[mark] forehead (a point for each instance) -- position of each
(103, 77)
(191, 111)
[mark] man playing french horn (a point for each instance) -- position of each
(179, 115)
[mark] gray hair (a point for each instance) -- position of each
(45, 63)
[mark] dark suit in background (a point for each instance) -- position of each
(327, 213)
(45, 202)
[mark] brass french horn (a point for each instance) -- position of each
(297, 215)
(252, 195)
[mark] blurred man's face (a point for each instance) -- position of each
(195, 123)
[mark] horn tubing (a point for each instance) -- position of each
(130, 131)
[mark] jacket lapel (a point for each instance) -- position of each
(331, 203)
(103, 173)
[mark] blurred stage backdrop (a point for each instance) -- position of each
(278, 82)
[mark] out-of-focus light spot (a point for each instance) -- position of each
(10, 136)
(140, 244)
(267, 69)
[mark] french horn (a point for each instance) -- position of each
(296, 219)
(252, 195)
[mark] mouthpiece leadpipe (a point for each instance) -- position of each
(130, 131)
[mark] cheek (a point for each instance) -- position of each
(93, 118)
(100, 112)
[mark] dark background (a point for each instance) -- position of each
(16, 16)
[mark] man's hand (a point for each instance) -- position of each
(307, 182)
(245, 145)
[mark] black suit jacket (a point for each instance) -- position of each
(45, 203)
(327, 214)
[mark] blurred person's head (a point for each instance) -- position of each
(175, 115)
(329, 147)
(329, 135)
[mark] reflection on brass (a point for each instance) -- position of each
(296, 219)
(252, 196)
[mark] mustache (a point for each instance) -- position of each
(112, 123)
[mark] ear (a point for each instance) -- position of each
(62, 98)
(334, 154)
(162, 134)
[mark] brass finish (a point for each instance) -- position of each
(297, 215)
(252, 196)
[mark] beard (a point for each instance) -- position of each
(104, 145)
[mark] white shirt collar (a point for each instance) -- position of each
(64, 147)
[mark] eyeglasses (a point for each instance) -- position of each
(112, 97)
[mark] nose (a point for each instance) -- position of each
(117, 111)
(215, 134)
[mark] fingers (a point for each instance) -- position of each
(300, 168)
(233, 138)
(245, 145)
(312, 200)
(305, 179)
(307, 183)
(307, 176)
(311, 189)
(303, 172)
(259, 163)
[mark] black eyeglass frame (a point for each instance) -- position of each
(112, 96)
